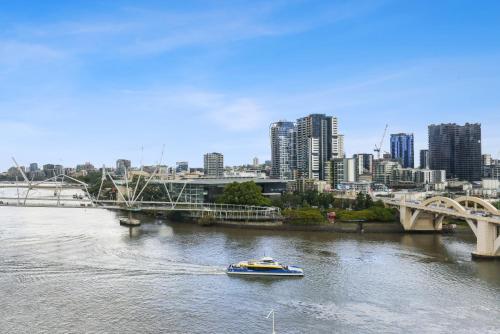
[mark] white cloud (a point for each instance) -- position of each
(144, 31)
(240, 114)
(15, 53)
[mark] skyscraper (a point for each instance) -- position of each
(424, 159)
(318, 141)
(282, 135)
(456, 149)
(402, 149)
(213, 164)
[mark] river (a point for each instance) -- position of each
(79, 271)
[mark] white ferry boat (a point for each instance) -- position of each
(266, 266)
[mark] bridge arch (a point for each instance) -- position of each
(487, 206)
(441, 199)
(428, 215)
(436, 219)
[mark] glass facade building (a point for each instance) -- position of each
(457, 150)
(318, 141)
(424, 159)
(402, 149)
(282, 135)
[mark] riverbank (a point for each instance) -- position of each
(338, 227)
(365, 227)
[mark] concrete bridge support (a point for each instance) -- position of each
(488, 240)
(429, 215)
(417, 220)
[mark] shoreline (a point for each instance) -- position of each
(338, 227)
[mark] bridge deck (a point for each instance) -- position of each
(494, 219)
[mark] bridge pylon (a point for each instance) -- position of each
(482, 217)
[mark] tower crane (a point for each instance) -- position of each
(379, 147)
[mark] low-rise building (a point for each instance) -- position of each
(358, 187)
(383, 170)
(206, 190)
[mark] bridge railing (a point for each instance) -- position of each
(193, 205)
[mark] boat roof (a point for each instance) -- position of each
(267, 259)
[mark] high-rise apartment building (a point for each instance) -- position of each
(363, 164)
(457, 150)
(402, 149)
(318, 141)
(213, 164)
(283, 148)
(424, 159)
(303, 149)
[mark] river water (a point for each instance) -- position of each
(79, 271)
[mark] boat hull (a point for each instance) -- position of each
(273, 272)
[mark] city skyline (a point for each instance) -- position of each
(96, 82)
(161, 161)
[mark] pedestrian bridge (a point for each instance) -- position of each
(194, 210)
(198, 210)
(58, 189)
(428, 215)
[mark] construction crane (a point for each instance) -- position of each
(379, 147)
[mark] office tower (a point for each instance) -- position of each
(363, 164)
(213, 164)
(318, 141)
(58, 169)
(402, 149)
(255, 162)
(33, 167)
(181, 166)
(424, 159)
(457, 150)
(283, 137)
(48, 170)
(122, 165)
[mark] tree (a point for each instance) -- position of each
(368, 201)
(291, 200)
(360, 201)
(245, 193)
(325, 200)
(93, 179)
(304, 216)
(152, 192)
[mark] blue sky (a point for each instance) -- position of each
(97, 80)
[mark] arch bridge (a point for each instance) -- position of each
(481, 216)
